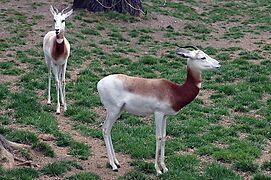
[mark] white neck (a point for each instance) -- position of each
(59, 41)
(194, 74)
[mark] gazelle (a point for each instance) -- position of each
(142, 96)
(56, 50)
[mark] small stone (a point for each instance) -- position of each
(46, 137)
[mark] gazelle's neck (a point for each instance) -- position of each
(60, 37)
(59, 49)
(193, 76)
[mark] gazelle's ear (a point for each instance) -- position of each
(52, 10)
(68, 13)
(183, 52)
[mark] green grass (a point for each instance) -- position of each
(9, 68)
(19, 173)
(218, 171)
(144, 167)
(89, 132)
(133, 175)
(59, 168)
(246, 166)
(266, 165)
(26, 137)
(84, 176)
(90, 32)
(79, 150)
(44, 148)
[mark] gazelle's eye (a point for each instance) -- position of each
(63, 21)
(203, 58)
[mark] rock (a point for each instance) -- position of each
(46, 137)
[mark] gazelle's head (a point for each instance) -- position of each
(59, 18)
(197, 59)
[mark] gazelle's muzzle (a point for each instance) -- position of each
(57, 31)
(215, 64)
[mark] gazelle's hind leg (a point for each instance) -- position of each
(111, 117)
(113, 152)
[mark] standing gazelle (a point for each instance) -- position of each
(56, 50)
(142, 96)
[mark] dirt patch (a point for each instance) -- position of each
(225, 121)
(220, 145)
(207, 159)
(8, 78)
(205, 96)
(158, 21)
(187, 151)
(266, 154)
(74, 73)
(242, 135)
(98, 159)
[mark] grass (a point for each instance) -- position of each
(26, 137)
(218, 171)
(59, 168)
(79, 150)
(231, 125)
(19, 173)
(84, 176)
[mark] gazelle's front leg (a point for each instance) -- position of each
(159, 117)
(56, 72)
(49, 79)
(164, 124)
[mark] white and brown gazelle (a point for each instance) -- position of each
(56, 50)
(142, 96)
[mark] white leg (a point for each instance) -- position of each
(165, 169)
(111, 117)
(64, 84)
(159, 117)
(55, 69)
(49, 79)
(60, 70)
(113, 152)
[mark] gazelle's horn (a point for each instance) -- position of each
(69, 7)
(188, 46)
(56, 10)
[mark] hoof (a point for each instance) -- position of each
(49, 103)
(158, 173)
(115, 170)
(165, 170)
(57, 113)
(118, 165)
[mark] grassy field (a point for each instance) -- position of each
(225, 133)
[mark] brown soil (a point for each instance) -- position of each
(225, 121)
(98, 159)
(205, 96)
